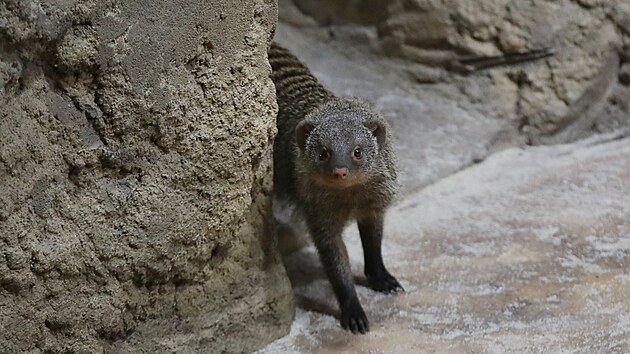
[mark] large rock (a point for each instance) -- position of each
(134, 177)
(558, 99)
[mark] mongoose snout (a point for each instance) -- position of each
(340, 178)
(340, 173)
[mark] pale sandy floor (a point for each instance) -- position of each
(527, 251)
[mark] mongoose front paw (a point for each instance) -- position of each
(353, 318)
(385, 283)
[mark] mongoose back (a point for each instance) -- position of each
(333, 159)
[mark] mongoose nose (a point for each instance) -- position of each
(340, 173)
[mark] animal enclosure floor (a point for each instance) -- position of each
(527, 252)
(524, 250)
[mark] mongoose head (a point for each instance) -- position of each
(339, 145)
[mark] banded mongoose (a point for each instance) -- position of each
(334, 160)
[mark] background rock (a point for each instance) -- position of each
(134, 164)
(558, 99)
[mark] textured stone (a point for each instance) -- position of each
(584, 36)
(135, 161)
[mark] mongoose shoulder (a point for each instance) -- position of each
(334, 159)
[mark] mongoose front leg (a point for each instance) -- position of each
(334, 258)
(371, 230)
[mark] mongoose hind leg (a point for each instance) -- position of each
(379, 278)
(334, 258)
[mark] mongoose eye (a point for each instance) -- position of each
(358, 154)
(324, 155)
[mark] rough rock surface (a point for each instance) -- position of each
(134, 177)
(560, 99)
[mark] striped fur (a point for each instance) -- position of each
(298, 92)
(340, 124)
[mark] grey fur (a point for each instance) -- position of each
(313, 124)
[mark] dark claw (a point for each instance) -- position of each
(353, 319)
(385, 283)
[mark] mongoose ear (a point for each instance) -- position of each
(378, 130)
(302, 131)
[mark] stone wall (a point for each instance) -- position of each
(135, 161)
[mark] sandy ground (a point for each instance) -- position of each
(527, 251)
